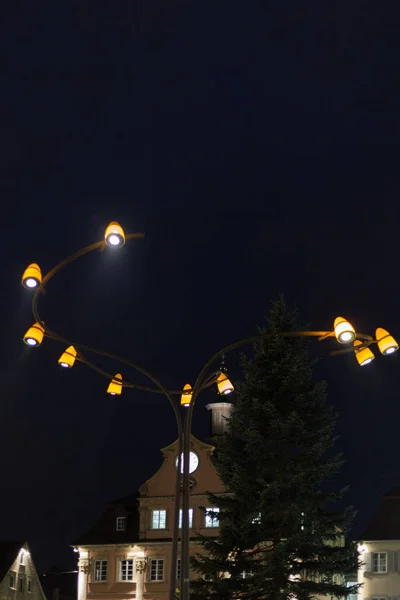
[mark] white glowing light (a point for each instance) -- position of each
(114, 240)
(366, 362)
(31, 342)
(63, 364)
(31, 283)
(346, 336)
(390, 350)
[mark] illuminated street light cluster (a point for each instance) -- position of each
(114, 237)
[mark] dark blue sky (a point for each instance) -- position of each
(257, 146)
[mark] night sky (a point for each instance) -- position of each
(257, 146)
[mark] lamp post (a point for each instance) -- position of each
(115, 237)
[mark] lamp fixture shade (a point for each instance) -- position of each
(115, 386)
(344, 331)
(186, 397)
(386, 343)
(363, 354)
(114, 235)
(224, 385)
(32, 277)
(34, 335)
(67, 358)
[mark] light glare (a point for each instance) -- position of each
(31, 342)
(31, 283)
(114, 240)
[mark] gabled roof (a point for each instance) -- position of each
(9, 550)
(385, 524)
(104, 532)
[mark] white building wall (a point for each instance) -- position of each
(384, 584)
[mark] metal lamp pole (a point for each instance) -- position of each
(359, 344)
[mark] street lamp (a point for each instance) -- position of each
(114, 237)
(32, 277)
(67, 358)
(34, 335)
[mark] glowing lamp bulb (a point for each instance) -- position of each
(186, 397)
(344, 331)
(363, 354)
(386, 343)
(32, 277)
(115, 386)
(224, 385)
(67, 358)
(114, 235)
(34, 335)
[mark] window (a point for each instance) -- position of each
(210, 519)
(21, 585)
(156, 569)
(190, 518)
(120, 524)
(12, 579)
(29, 585)
(159, 519)
(379, 562)
(257, 519)
(21, 557)
(100, 570)
(126, 570)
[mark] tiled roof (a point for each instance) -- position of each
(385, 524)
(104, 532)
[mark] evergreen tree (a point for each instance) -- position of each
(280, 536)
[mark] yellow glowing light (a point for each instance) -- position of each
(225, 387)
(386, 343)
(67, 358)
(34, 335)
(344, 331)
(363, 355)
(32, 277)
(186, 397)
(114, 235)
(115, 387)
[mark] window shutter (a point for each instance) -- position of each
(392, 562)
(367, 560)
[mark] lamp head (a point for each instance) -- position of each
(32, 277)
(34, 335)
(386, 343)
(344, 331)
(115, 386)
(363, 354)
(186, 397)
(114, 235)
(67, 358)
(224, 385)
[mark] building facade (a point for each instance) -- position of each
(379, 547)
(127, 554)
(18, 576)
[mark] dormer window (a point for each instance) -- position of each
(120, 524)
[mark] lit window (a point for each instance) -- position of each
(120, 524)
(12, 580)
(126, 570)
(159, 519)
(379, 562)
(156, 569)
(29, 586)
(190, 518)
(21, 585)
(100, 570)
(210, 518)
